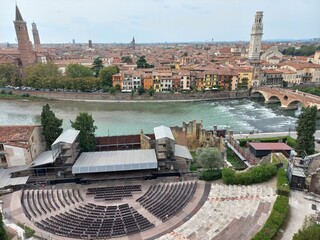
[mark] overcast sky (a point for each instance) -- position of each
(109, 21)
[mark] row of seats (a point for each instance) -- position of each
(92, 221)
(165, 200)
(113, 193)
(41, 202)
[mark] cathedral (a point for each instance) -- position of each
(25, 54)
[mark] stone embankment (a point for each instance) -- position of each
(127, 97)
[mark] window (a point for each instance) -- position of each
(1, 147)
(3, 159)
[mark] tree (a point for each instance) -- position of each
(142, 63)
(243, 84)
(51, 125)
(151, 91)
(37, 75)
(85, 124)
(9, 75)
(306, 127)
(77, 71)
(118, 87)
(210, 158)
(3, 234)
(141, 90)
(96, 66)
(126, 59)
(106, 75)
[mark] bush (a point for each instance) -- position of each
(308, 233)
(282, 183)
(210, 175)
(25, 95)
(275, 220)
(2, 92)
(255, 174)
(10, 92)
(29, 232)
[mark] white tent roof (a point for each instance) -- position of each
(111, 161)
(163, 132)
(67, 136)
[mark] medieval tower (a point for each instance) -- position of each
(133, 44)
(36, 38)
(256, 37)
(27, 55)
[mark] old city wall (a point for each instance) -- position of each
(128, 97)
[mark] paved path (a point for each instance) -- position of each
(299, 209)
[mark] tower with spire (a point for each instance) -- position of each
(256, 37)
(36, 38)
(133, 44)
(27, 55)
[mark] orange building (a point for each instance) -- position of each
(147, 82)
(117, 79)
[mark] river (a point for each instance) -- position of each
(128, 118)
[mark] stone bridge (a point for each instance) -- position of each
(288, 98)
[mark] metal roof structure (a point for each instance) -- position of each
(68, 136)
(43, 159)
(111, 161)
(182, 151)
(6, 180)
(162, 132)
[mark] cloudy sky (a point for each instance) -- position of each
(109, 21)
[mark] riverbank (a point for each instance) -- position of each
(127, 97)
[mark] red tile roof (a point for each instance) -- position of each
(16, 133)
(270, 146)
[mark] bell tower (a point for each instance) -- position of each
(256, 37)
(27, 55)
(36, 38)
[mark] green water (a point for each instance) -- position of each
(128, 118)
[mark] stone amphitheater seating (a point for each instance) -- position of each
(166, 200)
(230, 212)
(113, 193)
(92, 221)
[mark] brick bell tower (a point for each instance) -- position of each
(27, 55)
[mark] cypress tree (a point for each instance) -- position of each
(306, 128)
(51, 125)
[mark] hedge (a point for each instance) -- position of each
(210, 175)
(282, 183)
(275, 220)
(255, 174)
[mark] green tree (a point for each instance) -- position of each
(118, 87)
(243, 84)
(106, 75)
(85, 124)
(3, 234)
(9, 75)
(41, 75)
(210, 158)
(306, 127)
(78, 70)
(96, 66)
(141, 90)
(151, 91)
(142, 63)
(126, 59)
(51, 125)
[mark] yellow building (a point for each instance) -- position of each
(245, 73)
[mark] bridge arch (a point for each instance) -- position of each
(257, 93)
(294, 104)
(274, 99)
